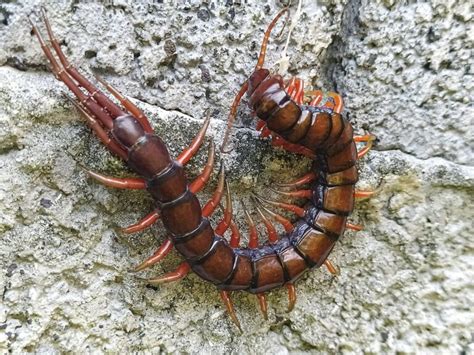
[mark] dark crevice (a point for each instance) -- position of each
(350, 27)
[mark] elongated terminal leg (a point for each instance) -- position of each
(133, 109)
(96, 94)
(100, 132)
(86, 100)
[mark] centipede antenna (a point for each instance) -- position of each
(263, 49)
(232, 114)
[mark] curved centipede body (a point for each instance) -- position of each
(318, 132)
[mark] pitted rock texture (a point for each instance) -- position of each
(405, 72)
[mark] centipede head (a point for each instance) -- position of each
(256, 78)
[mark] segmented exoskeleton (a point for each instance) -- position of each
(319, 132)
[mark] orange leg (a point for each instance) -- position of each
(363, 194)
(369, 139)
(337, 105)
(317, 96)
(262, 301)
(355, 227)
(291, 296)
(232, 114)
(294, 89)
(198, 184)
(295, 194)
(133, 109)
(272, 233)
(287, 225)
(235, 236)
(224, 224)
(300, 212)
(211, 205)
(181, 271)
(119, 183)
(253, 244)
(189, 152)
(310, 177)
(159, 254)
(290, 147)
(230, 308)
(142, 224)
(331, 268)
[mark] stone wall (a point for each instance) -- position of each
(405, 72)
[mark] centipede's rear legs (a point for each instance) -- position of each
(98, 110)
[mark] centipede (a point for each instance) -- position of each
(294, 120)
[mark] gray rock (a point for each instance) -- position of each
(405, 72)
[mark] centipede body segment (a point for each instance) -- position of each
(319, 132)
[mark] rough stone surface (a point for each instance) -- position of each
(405, 72)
